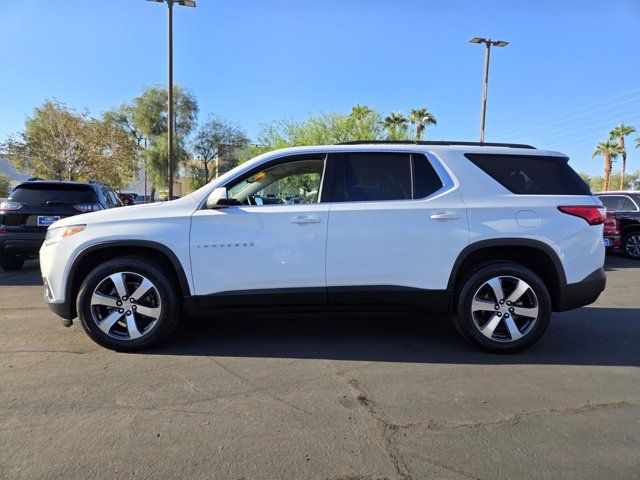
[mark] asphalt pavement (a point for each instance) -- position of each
(321, 396)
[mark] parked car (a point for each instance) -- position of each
(625, 206)
(127, 198)
(34, 205)
(500, 235)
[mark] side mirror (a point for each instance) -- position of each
(218, 198)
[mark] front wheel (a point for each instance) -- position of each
(503, 308)
(128, 303)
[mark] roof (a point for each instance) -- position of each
(438, 143)
(619, 192)
(57, 182)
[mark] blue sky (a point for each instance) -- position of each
(571, 71)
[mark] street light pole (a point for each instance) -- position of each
(170, 99)
(485, 83)
(170, 115)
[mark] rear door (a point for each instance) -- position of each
(396, 225)
(32, 207)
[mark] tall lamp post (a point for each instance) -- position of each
(170, 119)
(489, 43)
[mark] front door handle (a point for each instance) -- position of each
(444, 216)
(304, 219)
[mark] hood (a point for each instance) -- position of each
(182, 206)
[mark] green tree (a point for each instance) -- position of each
(146, 121)
(396, 126)
(60, 143)
(362, 123)
(596, 183)
(619, 133)
(422, 118)
(609, 151)
(5, 185)
(216, 146)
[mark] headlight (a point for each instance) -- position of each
(56, 235)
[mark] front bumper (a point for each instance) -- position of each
(24, 244)
(584, 292)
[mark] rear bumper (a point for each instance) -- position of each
(21, 243)
(612, 242)
(584, 292)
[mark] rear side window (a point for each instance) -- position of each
(618, 203)
(531, 175)
(38, 194)
(382, 176)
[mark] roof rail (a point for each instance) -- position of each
(437, 142)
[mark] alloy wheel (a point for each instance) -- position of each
(505, 309)
(126, 305)
(632, 245)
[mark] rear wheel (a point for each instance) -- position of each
(503, 307)
(631, 245)
(11, 262)
(128, 304)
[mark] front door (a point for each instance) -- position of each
(397, 224)
(270, 247)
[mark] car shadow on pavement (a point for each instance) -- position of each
(28, 275)
(618, 261)
(588, 336)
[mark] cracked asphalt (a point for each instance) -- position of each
(322, 396)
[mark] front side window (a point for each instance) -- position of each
(293, 182)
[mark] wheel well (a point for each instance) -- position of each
(635, 228)
(93, 258)
(531, 257)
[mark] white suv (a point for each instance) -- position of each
(499, 235)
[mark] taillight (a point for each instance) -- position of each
(10, 206)
(593, 215)
(611, 224)
(2, 231)
(88, 207)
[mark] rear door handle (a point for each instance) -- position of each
(444, 216)
(305, 219)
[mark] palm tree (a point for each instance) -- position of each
(423, 118)
(618, 133)
(609, 150)
(396, 126)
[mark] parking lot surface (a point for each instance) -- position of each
(358, 396)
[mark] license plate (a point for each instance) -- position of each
(607, 242)
(46, 221)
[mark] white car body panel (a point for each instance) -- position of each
(364, 243)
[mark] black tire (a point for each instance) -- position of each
(11, 263)
(629, 242)
(165, 289)
(469, 323)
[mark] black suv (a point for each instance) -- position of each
(34, 205)
(626, 208)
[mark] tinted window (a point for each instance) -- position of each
(531, 175)
(362, 177)
(425, 178)
(618, 203)
(40, 194)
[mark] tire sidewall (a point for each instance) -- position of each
(158, 277)
(466, 324)
(624, 245)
